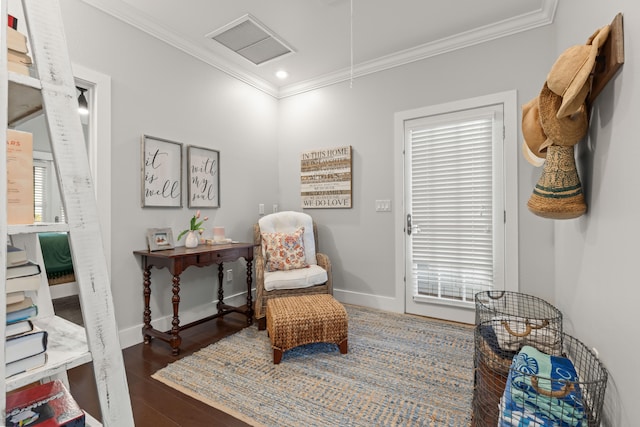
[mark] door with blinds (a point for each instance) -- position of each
(454, 210)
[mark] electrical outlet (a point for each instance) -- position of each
(275, 207)
(261, 208)
(229, 275)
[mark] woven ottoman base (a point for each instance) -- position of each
(305, 319)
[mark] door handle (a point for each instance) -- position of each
(410, 227)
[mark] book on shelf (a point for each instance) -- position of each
(18, 57)
(16, 256)
(29, 268)
(18, 68)
(25, 345)
(26, 364)
(21, 310)
(15, 297)
(12, 21)
(18, 328)
(24, 283)
(49, 405)
(19, 62)
(16, 40)
(19, 177)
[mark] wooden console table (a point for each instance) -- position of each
(176, 261)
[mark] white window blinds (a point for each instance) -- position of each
(452, 180)
(39, 190)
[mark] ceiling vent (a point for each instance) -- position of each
(250, 39)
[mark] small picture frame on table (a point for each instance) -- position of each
(159, 239)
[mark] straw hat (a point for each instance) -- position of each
(569, 76)
(561, 131)
(558, 193)
(535, 143)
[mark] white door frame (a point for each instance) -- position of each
(99, 146)
(511, 151)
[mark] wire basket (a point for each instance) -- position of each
(515, 310)
(492, 366)
(561, 391)
(505, 322)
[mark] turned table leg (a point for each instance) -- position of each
(146, 315)
(249, 301)
(175, 340)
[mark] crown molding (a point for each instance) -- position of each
(129, 15)
(541, 17)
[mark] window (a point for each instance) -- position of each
(47, 203)
(39, 190)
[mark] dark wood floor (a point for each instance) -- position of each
(155, 404)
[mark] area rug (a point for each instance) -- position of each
(401, 370)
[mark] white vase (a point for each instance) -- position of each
(191, 240)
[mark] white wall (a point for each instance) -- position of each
(583, 266)
(160, 91)
(597, 285)
(360, 241)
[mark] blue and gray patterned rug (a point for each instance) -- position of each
(401, 370)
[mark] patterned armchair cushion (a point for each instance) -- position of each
(284, 251)
(289, 222)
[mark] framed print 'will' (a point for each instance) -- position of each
(204, 177)
(161, 172)
(325, 178)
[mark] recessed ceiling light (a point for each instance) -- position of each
(282, 74)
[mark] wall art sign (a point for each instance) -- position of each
(325, 178)
(161, 172)
(204, 177)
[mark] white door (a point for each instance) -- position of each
(455, 215)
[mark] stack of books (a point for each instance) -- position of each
(25, 344)
(18, 59)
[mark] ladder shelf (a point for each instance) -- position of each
(69, 345)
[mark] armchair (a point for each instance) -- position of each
(314, 279)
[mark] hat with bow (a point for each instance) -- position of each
(569, 75)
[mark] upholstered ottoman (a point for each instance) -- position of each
(305, 319)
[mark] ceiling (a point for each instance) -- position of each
(332, 40)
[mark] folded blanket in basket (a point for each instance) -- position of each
(513, 334)
(541, 390)
(489, 335)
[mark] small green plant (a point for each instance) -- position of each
(194, 224)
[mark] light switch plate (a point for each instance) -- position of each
(383, 205)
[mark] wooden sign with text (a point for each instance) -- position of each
(325, 178)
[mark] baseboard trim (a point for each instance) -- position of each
(63, 290)
(369, 300)
(133, 335)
